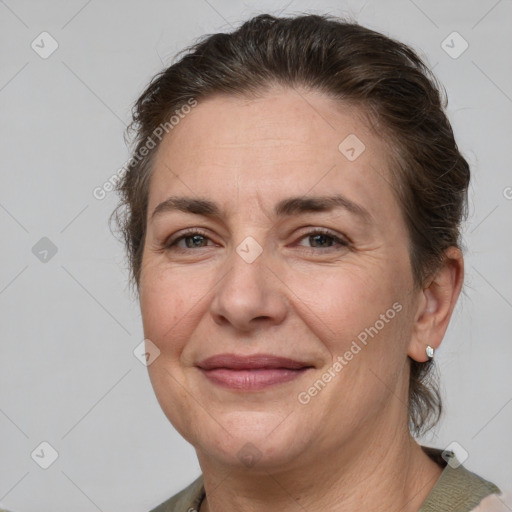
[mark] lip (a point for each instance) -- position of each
(253, 372)
(250, 362)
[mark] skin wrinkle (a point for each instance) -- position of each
(350, 447)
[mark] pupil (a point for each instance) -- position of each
(195, 238)
(321, 238)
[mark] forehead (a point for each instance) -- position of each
(285, 142)
(278, 117)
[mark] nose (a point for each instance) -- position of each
(249, 295)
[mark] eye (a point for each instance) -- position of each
(323, 239)
(193, 239)
(196, 239)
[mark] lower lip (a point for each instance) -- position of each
(252, 380)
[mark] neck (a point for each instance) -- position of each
(378, 476)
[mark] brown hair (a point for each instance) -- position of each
(386, 79)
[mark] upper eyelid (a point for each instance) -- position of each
(185, 234)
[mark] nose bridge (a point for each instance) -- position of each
(250, 226)
(246, 271)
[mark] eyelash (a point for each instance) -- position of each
(171, 245)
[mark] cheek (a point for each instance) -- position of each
(166, 306)
(343, 301)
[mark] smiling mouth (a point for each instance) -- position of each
(251, 373)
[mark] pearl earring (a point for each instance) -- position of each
(430, 352)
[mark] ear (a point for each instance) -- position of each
(435, 305)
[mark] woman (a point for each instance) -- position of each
(291, 214)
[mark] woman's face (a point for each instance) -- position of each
(246, 273)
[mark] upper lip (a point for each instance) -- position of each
(250, 362)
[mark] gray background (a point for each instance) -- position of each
(68, 375)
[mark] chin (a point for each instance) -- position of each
(254, 440)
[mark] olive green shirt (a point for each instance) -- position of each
(457, 489)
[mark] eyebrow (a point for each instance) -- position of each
(286, 207)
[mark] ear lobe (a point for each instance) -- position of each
(436, 304)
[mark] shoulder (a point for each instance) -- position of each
(187, 500)
(457, 488)
(496, 502)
